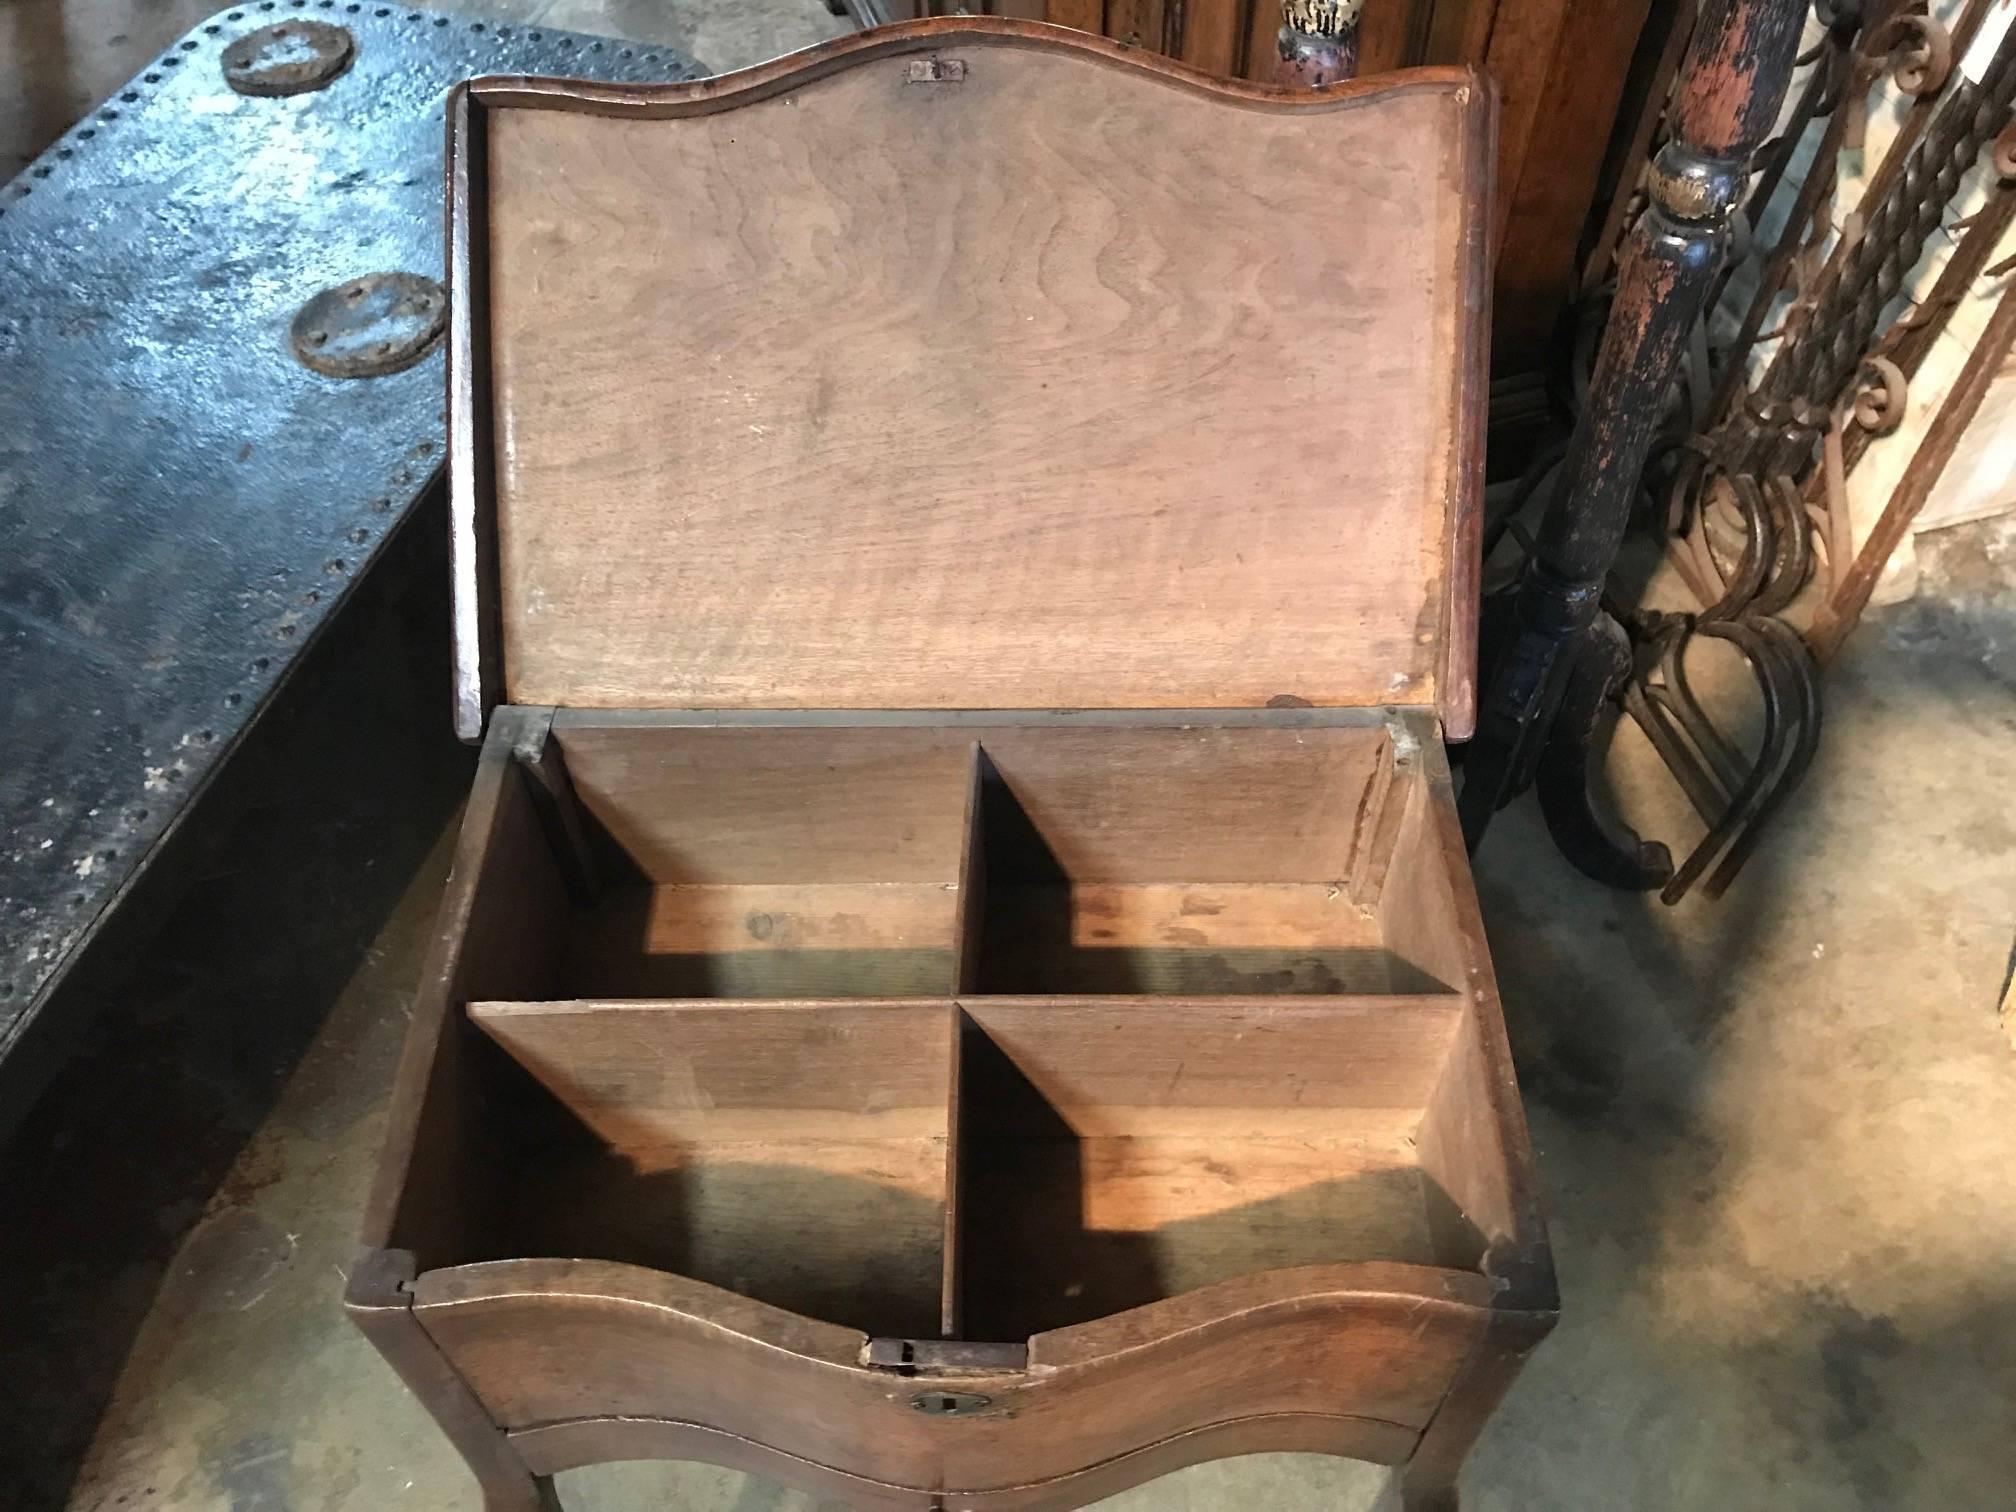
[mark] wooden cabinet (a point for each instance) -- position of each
(959, 986)
(1562, 68)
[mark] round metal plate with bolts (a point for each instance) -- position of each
(378, 324)
(287, 58)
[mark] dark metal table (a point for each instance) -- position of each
(184, 500)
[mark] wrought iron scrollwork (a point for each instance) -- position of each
(1750, 479)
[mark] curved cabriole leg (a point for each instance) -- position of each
(1427, 1482)
(1418, 1493)
(1598, 846)
(537, 1495)
(1731, 85)
(379, 1299)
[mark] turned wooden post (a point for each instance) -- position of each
(1732, 83)
(1318, 42)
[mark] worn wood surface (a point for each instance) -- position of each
(1116, 1153)
(1569, 95)
(827, 1226)
(1563, 67)
(1213, 35)
(439, 1197)
(1198, 805)
(1199, 1207)
(439, 1188)
(768, 940)
(1476, 1145)
(1065, 1231)
(659, 1076)
(1186, 940)
(1371, 1341)
(1138, 23)
(1109, 463)
(1085, 15)
(795, 1153)
(797, 807)
(1244, 1068)
(379, 1300)
(1234, 365)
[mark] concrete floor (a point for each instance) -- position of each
(1777, 1134)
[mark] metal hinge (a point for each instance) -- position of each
(935, 71)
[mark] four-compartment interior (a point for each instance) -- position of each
(986, 1030)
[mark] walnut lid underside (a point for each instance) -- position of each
(968, 366)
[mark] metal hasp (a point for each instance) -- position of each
(944, 1356)
(183, 502)
(1730, 87)
(950, 1403)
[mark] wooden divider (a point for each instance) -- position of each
(907, 1074)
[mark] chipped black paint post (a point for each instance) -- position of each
(1730, 87)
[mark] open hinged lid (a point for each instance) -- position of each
(968, 364)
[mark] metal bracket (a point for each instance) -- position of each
(944, 1357)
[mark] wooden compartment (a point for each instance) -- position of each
(1106, 1219)
(793, 1153)
(776, 865)
(1187, 861)
(959, 988)
(1117, 1152)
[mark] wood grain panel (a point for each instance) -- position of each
(649, 1076)
(1188, 941)
(1390, 34)
(439, 1184)
(848, 1230)
(1085, 15)
(772, 917)
(785, 806)
(1213, 34)
(1138, 23)
(992, 409)
(1475, 1143)
(1520, 47)
(1064, 1231)
(1198, 805)
(1238, 1069)
(794, 1153)
(1373, 1341)
(1459, 31)
(1263, 38)
(1557, 172)
(1207, 916)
